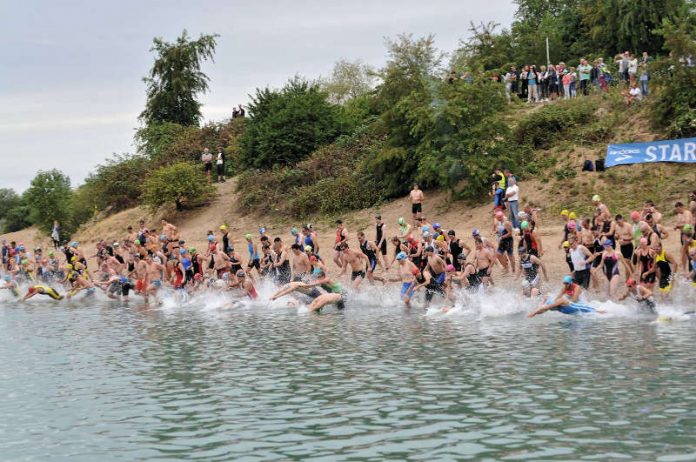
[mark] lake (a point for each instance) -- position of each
(101, 380)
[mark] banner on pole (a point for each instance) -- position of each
(682, 150)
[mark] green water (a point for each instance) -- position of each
(109, 382)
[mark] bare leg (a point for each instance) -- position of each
(324, 300)
(286, 289)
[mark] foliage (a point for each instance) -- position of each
(116, 184)
(287, 125)
(540, 129)
(674, 106)
(484, 49)
(183, 184)
(14, 214)
(349, 80)
(176, 79)
(48, 199)
(333, 178)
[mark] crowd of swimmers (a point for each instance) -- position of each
(423, 257)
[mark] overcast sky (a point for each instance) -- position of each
(70, 80)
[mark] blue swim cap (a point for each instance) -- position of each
(262, 230)
(475, 232)
(436, 226)
(7, 278)
(163, 237)
(567, 280)
(608, 243)
(211, 238)
(182, 251)
(425, 228)
(401, 256)
(123, 279)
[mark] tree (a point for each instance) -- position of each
(49, 198)
(182, 183)
(485, 49)
(14, 214)
(287, 125)
(117, 183)
(349, 80)
(176, 79)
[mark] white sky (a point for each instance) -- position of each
(70, 78)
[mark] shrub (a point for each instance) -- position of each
(116, 184)
(49, 198)
(540, 129)
(183, 184)
(287, 125)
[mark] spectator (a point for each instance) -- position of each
(622, 60)
(55, 234)
(532, 78)
(553, 82)
(451, 77)
(522, 90)
(512, 195)
(566, 84)
(510, 82)
(207, 159)
(573, 82)
(632, 94)
(585, 70)
(220, 165)
(602, 74)
(644, 76)
(543, 84)
(632, 68)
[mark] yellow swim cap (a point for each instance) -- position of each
(564, 213)
(566, 244)
(441, 237)
(223, 228)
(572, 216)
(596, 198)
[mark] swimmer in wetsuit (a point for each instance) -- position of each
(40, 289)
(641, 294)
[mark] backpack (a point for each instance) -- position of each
(588, 166)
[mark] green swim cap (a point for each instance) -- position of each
(293, 231)
(192, 250)
(524, 225)
(688, 227)
(137, 242)
(401, 221)
(247, 237)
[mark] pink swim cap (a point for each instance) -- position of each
(635, 215)
(499, 214)
(450, 268)
(572, 225)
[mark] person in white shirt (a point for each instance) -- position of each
(512, 195)
(207, 159)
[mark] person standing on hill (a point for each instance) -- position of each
(220, 165)
(512, 195)
(416, 197)
(584, 69)
(55, 234)
(207, 159)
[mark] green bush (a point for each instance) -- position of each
(49, 198)
(183, 184)
(116, 184)
(541, 129)
(287, 125)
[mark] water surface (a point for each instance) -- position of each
(103, 381)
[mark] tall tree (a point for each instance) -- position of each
(49, 198)
(287, 125)
(349, 80)
(176, 80)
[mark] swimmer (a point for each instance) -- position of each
(334, 293)
(567, 298)
(641, 294)
(10, 285)
(40, 289)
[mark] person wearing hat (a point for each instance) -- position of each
(436, 267)
(407, 276)
(341, 237)
(609, 262)
(247, 285)
(503, 228)
(225, 239)
(566, 302)
(642, 295)
(601, 212)
(456, 248)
